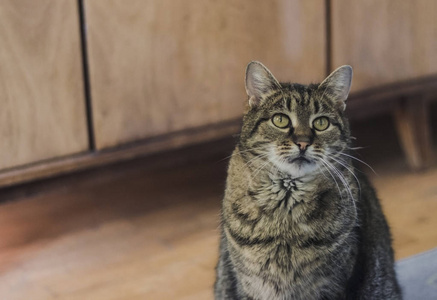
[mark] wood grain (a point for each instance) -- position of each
(42, 112)
(161, 66)
(385, 41)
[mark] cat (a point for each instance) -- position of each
(298, 221)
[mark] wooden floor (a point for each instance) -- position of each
(151, 233)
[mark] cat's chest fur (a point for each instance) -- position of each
(279, 193)
(267, 227)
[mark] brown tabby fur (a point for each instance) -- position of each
(298, 221)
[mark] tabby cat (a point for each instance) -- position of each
(298, 221)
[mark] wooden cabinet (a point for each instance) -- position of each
(385, 41)
(42, 108)
(163, 66)
(166, 73)
(392, 46)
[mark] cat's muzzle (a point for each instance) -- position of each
(299, 160)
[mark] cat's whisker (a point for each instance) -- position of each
(282, 163)
(347, 162)
(356, 148)
(241, 151)
(258, 156)
(275, 167)
(327, 168)
(357, 159)
(321, 171)
(344, 181)
(255, 173)
(340, 176)
(256, 159)
(350, 171)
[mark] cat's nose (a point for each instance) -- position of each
(303, 141)
(303, 145)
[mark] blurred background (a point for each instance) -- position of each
(117, 119)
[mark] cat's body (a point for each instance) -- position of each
(297, 221)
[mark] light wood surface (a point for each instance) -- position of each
(410, 204)
(141, 233)
(42, 112)
(161, 66)
(385, 41)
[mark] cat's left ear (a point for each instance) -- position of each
(337, 85)
(259, 81)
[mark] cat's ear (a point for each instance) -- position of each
(337, 85)
(259, 80)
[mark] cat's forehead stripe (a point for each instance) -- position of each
(288, 103)
(274, 96)
(294, 98)
(303, 98)
(306, 98)
(316, 106)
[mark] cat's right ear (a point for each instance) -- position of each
(259, 80)
(338, 85)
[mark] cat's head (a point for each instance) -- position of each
(294, 128)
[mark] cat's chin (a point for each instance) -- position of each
(298, 168)
(294, 165)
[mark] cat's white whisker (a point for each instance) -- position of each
(255, 159)
(356, 148)
(344, 181)
(351, 171)
(260, 168)
(357, 159)
(241, 151)
(333, 177)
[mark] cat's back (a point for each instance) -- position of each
(374, 276)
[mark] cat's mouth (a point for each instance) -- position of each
(297, 166)
(299, 160)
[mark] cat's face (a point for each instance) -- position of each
(293, 128)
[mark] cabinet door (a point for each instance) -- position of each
(42, 110)
(162, 66)
(385, 41)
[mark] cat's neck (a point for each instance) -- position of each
(274, 189)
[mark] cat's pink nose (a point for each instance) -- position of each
(303, 145)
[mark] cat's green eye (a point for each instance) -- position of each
(321, 123)
(280, 120)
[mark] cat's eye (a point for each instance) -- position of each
(280, 120)
(321, 123)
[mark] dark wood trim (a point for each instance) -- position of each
(82, 161)
(382, 99)
(86, 77)
(408, 102)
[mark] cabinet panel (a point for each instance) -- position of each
(161, 66)
(385, 41)
(42, 110)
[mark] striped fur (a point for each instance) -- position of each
(310, 228)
